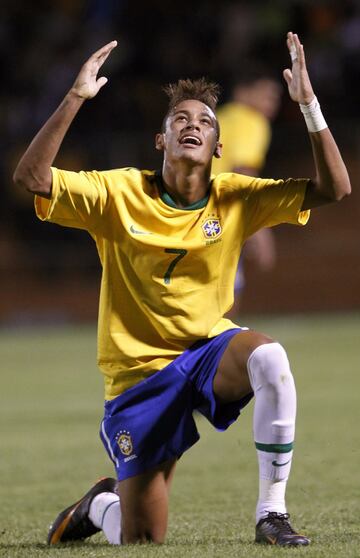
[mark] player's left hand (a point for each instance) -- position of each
(297, 79)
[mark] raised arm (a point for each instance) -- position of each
(33, 170)
(331, 182)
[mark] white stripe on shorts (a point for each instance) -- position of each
(113, 457)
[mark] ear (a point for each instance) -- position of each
(159, 142)
(218, 150)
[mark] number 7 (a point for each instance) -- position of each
(181, 253)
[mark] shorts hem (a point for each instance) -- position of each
(138, 467)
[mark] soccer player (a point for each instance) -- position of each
(245, 124)
(169, 243)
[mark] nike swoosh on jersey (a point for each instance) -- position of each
(136, 231)
(276, 464)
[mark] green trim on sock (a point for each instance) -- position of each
(275, 448)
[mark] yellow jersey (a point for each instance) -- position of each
(245, 134)
(167, 273)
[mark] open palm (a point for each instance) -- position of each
(87, 83)
(297, 79)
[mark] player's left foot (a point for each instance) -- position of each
(73, 523)
(275, 528)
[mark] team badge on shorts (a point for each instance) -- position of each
(125, 443)
(211, 228)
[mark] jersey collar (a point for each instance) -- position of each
(167, 199)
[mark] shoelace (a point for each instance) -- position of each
(281, 521)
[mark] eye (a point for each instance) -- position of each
(206, 121)
(181, 117)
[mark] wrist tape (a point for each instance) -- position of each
(314, 119)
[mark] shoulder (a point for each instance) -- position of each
(130, 177)
(231, 180)
(245, 186)
(125, 173)
(227, 183)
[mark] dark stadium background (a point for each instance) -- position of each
(50, 274)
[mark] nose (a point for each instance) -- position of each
(191, 125)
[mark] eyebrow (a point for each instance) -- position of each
(203, 113)
(212, 117)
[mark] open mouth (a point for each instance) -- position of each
(190, 140)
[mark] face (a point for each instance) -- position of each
(190, 134)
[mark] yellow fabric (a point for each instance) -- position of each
(154, 303)
(245, 134)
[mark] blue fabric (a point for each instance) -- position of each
(239, 277)
(153, 422)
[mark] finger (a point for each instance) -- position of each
(292, 45)
(99, 57)
(101, 60)
(105, 50)
(101, 82)
(299, 50)
(287, 76)
(301, 55)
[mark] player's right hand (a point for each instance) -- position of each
(87, 84)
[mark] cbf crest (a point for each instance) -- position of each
(125, 442)
(211, 228)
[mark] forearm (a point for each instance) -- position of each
(332, 180)
(33, 170)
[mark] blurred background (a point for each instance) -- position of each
(50, 274)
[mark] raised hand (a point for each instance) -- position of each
(87, 84)
(297, 79)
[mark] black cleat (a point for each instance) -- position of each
(276, 529)
(73, 523)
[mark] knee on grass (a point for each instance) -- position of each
(142, 536)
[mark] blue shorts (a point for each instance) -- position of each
(153, 422)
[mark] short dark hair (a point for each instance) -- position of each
(201, 89)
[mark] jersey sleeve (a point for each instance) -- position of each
(78, 199)
(271, 202)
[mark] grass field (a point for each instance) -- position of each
(51, 405)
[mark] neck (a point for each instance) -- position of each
(186, 185)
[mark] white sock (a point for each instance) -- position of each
(274, 423)
(106, 515)
(271, 498)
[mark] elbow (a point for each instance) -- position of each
(333, 191)
(20, 180)
(24, 179)
(342, 191)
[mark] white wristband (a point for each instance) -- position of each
(314, 119)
